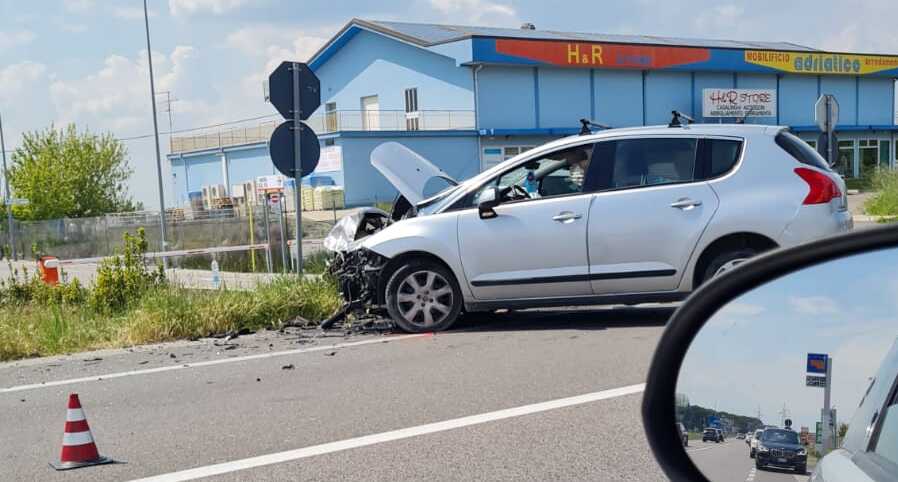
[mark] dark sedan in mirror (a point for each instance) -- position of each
(798, 348)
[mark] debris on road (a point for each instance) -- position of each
(288, 367)
(91, 360)
(330, 353)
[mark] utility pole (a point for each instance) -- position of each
(168, 109)
(784, 414)
(6, 197)
(827, 411)
(146, 21)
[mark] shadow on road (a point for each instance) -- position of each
(566, 319)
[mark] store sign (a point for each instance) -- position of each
(599, 55)
(266, 184)
(821, 63)
(738, 103)
(331, 159)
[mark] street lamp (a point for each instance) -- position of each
(146, 21)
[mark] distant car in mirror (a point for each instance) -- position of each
(684, 434)
(711, 435)
(768, 345)
(781, 448)
(753, 443)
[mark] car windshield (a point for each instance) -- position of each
(780, 436)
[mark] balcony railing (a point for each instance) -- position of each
(391, 120)
(335, 121)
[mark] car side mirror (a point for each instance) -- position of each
(488, 200)
(766, 346)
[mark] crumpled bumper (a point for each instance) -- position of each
(358, 273)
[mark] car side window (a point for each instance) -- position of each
(558, 173)
(650, 162)
(722, 155)
(887, 440)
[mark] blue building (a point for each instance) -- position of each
(469, 97)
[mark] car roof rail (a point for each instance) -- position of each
(678, 118)
(587, 125)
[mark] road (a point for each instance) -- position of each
(538, 395)
(729, 461)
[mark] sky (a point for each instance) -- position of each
(751, 355)
(85, 61)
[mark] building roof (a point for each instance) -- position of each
(427, 35)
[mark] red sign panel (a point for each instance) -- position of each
(601, 55)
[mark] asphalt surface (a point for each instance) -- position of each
(729, 462)
(194, 404)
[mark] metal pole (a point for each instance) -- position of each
(297, 168)
(283, 234)
(827, 414)
(267, 236)
(146, 21)
(829, 132)
(6, 196)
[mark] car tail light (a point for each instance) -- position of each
(822, 187)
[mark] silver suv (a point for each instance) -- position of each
(620, 216)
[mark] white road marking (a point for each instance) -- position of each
(713, 446)
(289, 455)
(221, 361)
(751, 474)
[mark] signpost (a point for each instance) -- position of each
(826, 115)
(817, 364)
(295, 91)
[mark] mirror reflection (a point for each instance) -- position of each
(797, 375)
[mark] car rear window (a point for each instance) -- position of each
(801, 151)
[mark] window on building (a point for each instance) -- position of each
(370, 113)
(648, 162)
(328, 142)
(412, 115)
(884, 148)
(869, 156)
(845, 162)
(330, 117)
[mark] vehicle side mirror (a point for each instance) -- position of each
(488, 200)
(760, 347)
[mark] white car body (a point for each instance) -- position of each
(642, 243)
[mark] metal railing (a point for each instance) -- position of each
(391, 120)
(334, 121)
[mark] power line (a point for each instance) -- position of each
(191, 129)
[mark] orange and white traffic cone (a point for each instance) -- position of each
(78, 447)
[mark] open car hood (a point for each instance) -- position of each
(415, 177)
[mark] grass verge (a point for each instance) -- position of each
(163, 313)
(885, 201)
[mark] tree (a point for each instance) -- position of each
(66, 173)
(843, 429)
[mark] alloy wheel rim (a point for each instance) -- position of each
(425, 298)
(729, 265)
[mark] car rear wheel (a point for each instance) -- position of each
(726, 261)
(422, 295)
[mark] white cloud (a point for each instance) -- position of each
(718, 16)
(78, 5)
(132, 13)
(740, 309)
(216, 7)
(10, 40)
(18, 78)
(477, 11)
(73, 27)
(269, 46)
(813, 305)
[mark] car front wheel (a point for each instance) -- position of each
(422, 296)
(726, 261)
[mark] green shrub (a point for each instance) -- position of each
(122, 279)
(885, 200)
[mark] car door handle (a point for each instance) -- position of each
(566, 217)
(685, 204)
